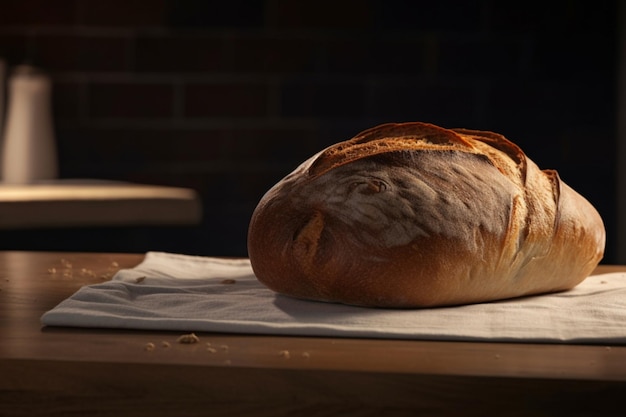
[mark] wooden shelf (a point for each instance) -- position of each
(63, 204)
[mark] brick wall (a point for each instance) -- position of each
(227, 97)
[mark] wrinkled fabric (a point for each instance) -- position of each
(204, 294)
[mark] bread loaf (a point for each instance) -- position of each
(413, 215)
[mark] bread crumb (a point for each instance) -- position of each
(211, 349)
(149, 346)
(88, 272)
(306, 355)
(114, 264)
(165, 344)
(608, 348)
(139, 280)
(284, 354)
(52, 270)
(497, 356)
(228, 281)
(227, 362)
(188, 338)
(224, 348)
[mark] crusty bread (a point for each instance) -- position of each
(413, 215)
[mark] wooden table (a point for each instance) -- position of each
(64, 371)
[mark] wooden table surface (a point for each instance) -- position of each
(84, 372)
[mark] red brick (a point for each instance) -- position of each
(273, 54)
(370, 56)
(226, 100)
(193, 14)
(196, 181)
(180, 53)
(67, 100)
(37, 12)
(189, 145)
(201, 53)
(83, 151)
(81, 53)
(123, 12)
(13, 48)
(130, 100)
(445, 105)
(241, 185)
(330, 99)
(271, 146)
(166, 146)
(346, 14)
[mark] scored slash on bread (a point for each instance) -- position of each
(415, 215)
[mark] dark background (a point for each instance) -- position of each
(228, 97)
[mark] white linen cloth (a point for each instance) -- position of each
(190, 293)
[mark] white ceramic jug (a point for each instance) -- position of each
(29, 148)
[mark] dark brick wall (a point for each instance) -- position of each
(227, 97)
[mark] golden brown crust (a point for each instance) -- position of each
(414, 215)
(386, 138)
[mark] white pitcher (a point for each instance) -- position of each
(29, 149)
